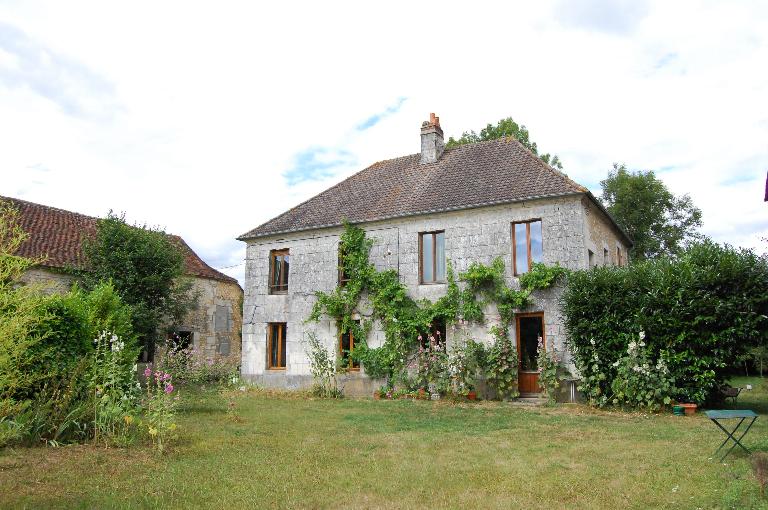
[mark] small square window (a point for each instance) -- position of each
(279, 263)
(276, 344)
(432, 257)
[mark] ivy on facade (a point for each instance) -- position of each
(402, 318)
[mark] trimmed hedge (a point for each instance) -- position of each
(701, 309)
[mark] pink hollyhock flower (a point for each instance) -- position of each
(147, 372)
(169, 388)
(166, 376)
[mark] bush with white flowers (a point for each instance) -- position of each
(641, 382)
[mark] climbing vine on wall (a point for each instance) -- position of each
(402, 318)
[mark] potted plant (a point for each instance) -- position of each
(690, 409)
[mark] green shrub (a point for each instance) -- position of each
(501, 364)
(703, 309)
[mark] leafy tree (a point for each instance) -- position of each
(505, 127)
(659, 222)
(147, 270)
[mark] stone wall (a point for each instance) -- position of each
(471, 235)
(216, 322)
(48, 281)
(602, 237)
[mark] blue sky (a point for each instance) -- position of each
(221, 116)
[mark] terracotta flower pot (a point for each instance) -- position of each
(690, 409)
(422, 394)
(472, 395)
(376, 395)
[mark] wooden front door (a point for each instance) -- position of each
(529, 327)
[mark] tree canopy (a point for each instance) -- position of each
(505, 127)
(147, 270)
(659, 222)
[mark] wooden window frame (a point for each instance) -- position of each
(527, 224)
(618, 256)
(433, 233)
(282, 327)
(284, 276)
(351, 367)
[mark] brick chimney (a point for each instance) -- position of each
(431, 140)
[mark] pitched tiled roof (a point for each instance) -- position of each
(472, 175)
(57, 236)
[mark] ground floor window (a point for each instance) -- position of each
(434, 336)
(346, 346)
(179, 340)
(276, 333)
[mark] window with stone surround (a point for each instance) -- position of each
(432, 257)
(527, 246)
(279, 262)
(346, 346)
(276, 333)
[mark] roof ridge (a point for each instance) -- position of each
(74, 213)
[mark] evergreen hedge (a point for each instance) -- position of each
(701, 310)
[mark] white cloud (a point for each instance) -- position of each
(208, 106)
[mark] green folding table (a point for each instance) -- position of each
(732, 414)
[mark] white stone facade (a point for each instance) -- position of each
(472, 235)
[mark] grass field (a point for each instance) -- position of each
(293, 452)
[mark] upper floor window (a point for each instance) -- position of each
(346, 346)
(526, 245)
(279, 261)
(276, 344)
(432, 257)
(343, 275)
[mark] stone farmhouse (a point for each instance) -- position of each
(475, 202)
(56, 236)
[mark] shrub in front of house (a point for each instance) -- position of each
(698, 311)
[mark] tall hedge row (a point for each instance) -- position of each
(700, 310)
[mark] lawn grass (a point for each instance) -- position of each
(293, 452)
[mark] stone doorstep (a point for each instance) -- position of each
(529, 401)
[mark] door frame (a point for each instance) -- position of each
(518, 316)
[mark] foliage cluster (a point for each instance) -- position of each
(658, 222)
(640, 382)
(505, 127)
(67, 362)
(550, 371)
(702, 309)
(324, 367)
(191, 365)
(147, 269)
(159, 405)
(406, 322)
